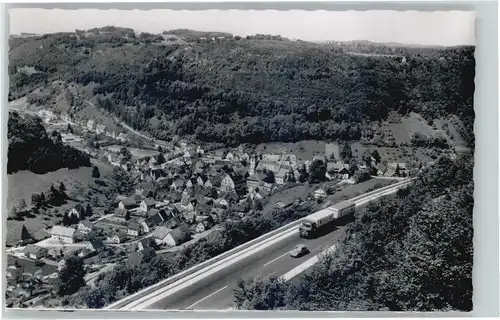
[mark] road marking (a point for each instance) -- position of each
(276, 259)
(212, 294)
(307, 264)
(182, 283)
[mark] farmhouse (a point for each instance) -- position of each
(63, 234)
(177, 236)
(35, 252)
(85, 226)
(134, 229)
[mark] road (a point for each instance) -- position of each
(211, 287)
(216, 291)
(132, 130)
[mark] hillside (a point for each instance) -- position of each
(31, 148)
(412, 253)
(255, 89)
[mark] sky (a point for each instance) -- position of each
(446, 28)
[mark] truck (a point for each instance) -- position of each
(320, 221)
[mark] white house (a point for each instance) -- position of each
(85, 226)
(227, 184)
(177, 236)
(229, 156)
(160, 234)
(63, 234)
(319, 194)
(147, 204)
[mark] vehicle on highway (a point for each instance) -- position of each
(299, 251)
(317, 222)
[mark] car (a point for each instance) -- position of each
(299, 251)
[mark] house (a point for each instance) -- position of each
(219, 155)
(229, 156)
(227, 184)
(281, 176)
(56, 253)
(128, 203)
(122, 137)
(146, 243)
(177, 185)
(189, 217)
(100, 128)
(77, 211)
(271, 157)
(319, 194)
(94, 245)
(208, 184)
(35, 252)
(90, 124)
(254, 181)
(134, 229)
(13, 273)
(284, 203)
(202, 226)
(121, 215)
(63, 234)
(160, 234)
(139, 257)
(147, 204)
(267, 187)
(221, 203)
(85, 226)
(157, 217)
(177, 236)
(118, 238)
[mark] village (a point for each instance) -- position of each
(181, 194)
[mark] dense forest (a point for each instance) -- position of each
(412, 253)
(31, 148)
(254, 89)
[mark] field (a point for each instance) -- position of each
(304, 150)
(23, 184)
(304, 191)
(351, 191)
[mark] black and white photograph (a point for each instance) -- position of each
(240, 160)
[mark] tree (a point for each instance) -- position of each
(161, 159)
(126, 155)
(376, 156)
(269, 176)
(62, 188)
(362, 175)
(25, 235)
(21, 206)
(88, 210)
(69, 129)
(317, 171)
(95, 172)
(260, 294)
(346, 152)
(54, 196)
(71, 276)
(303, 175)
(257, 205)
(36, 201)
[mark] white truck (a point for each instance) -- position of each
(317, 222)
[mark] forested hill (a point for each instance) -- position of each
(255, 89)
(414, 253)
(31, 148)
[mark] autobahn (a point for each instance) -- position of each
(211, 287)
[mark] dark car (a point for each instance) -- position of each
(299, 251)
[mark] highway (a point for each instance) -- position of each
(210, 287)
(216, 291)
